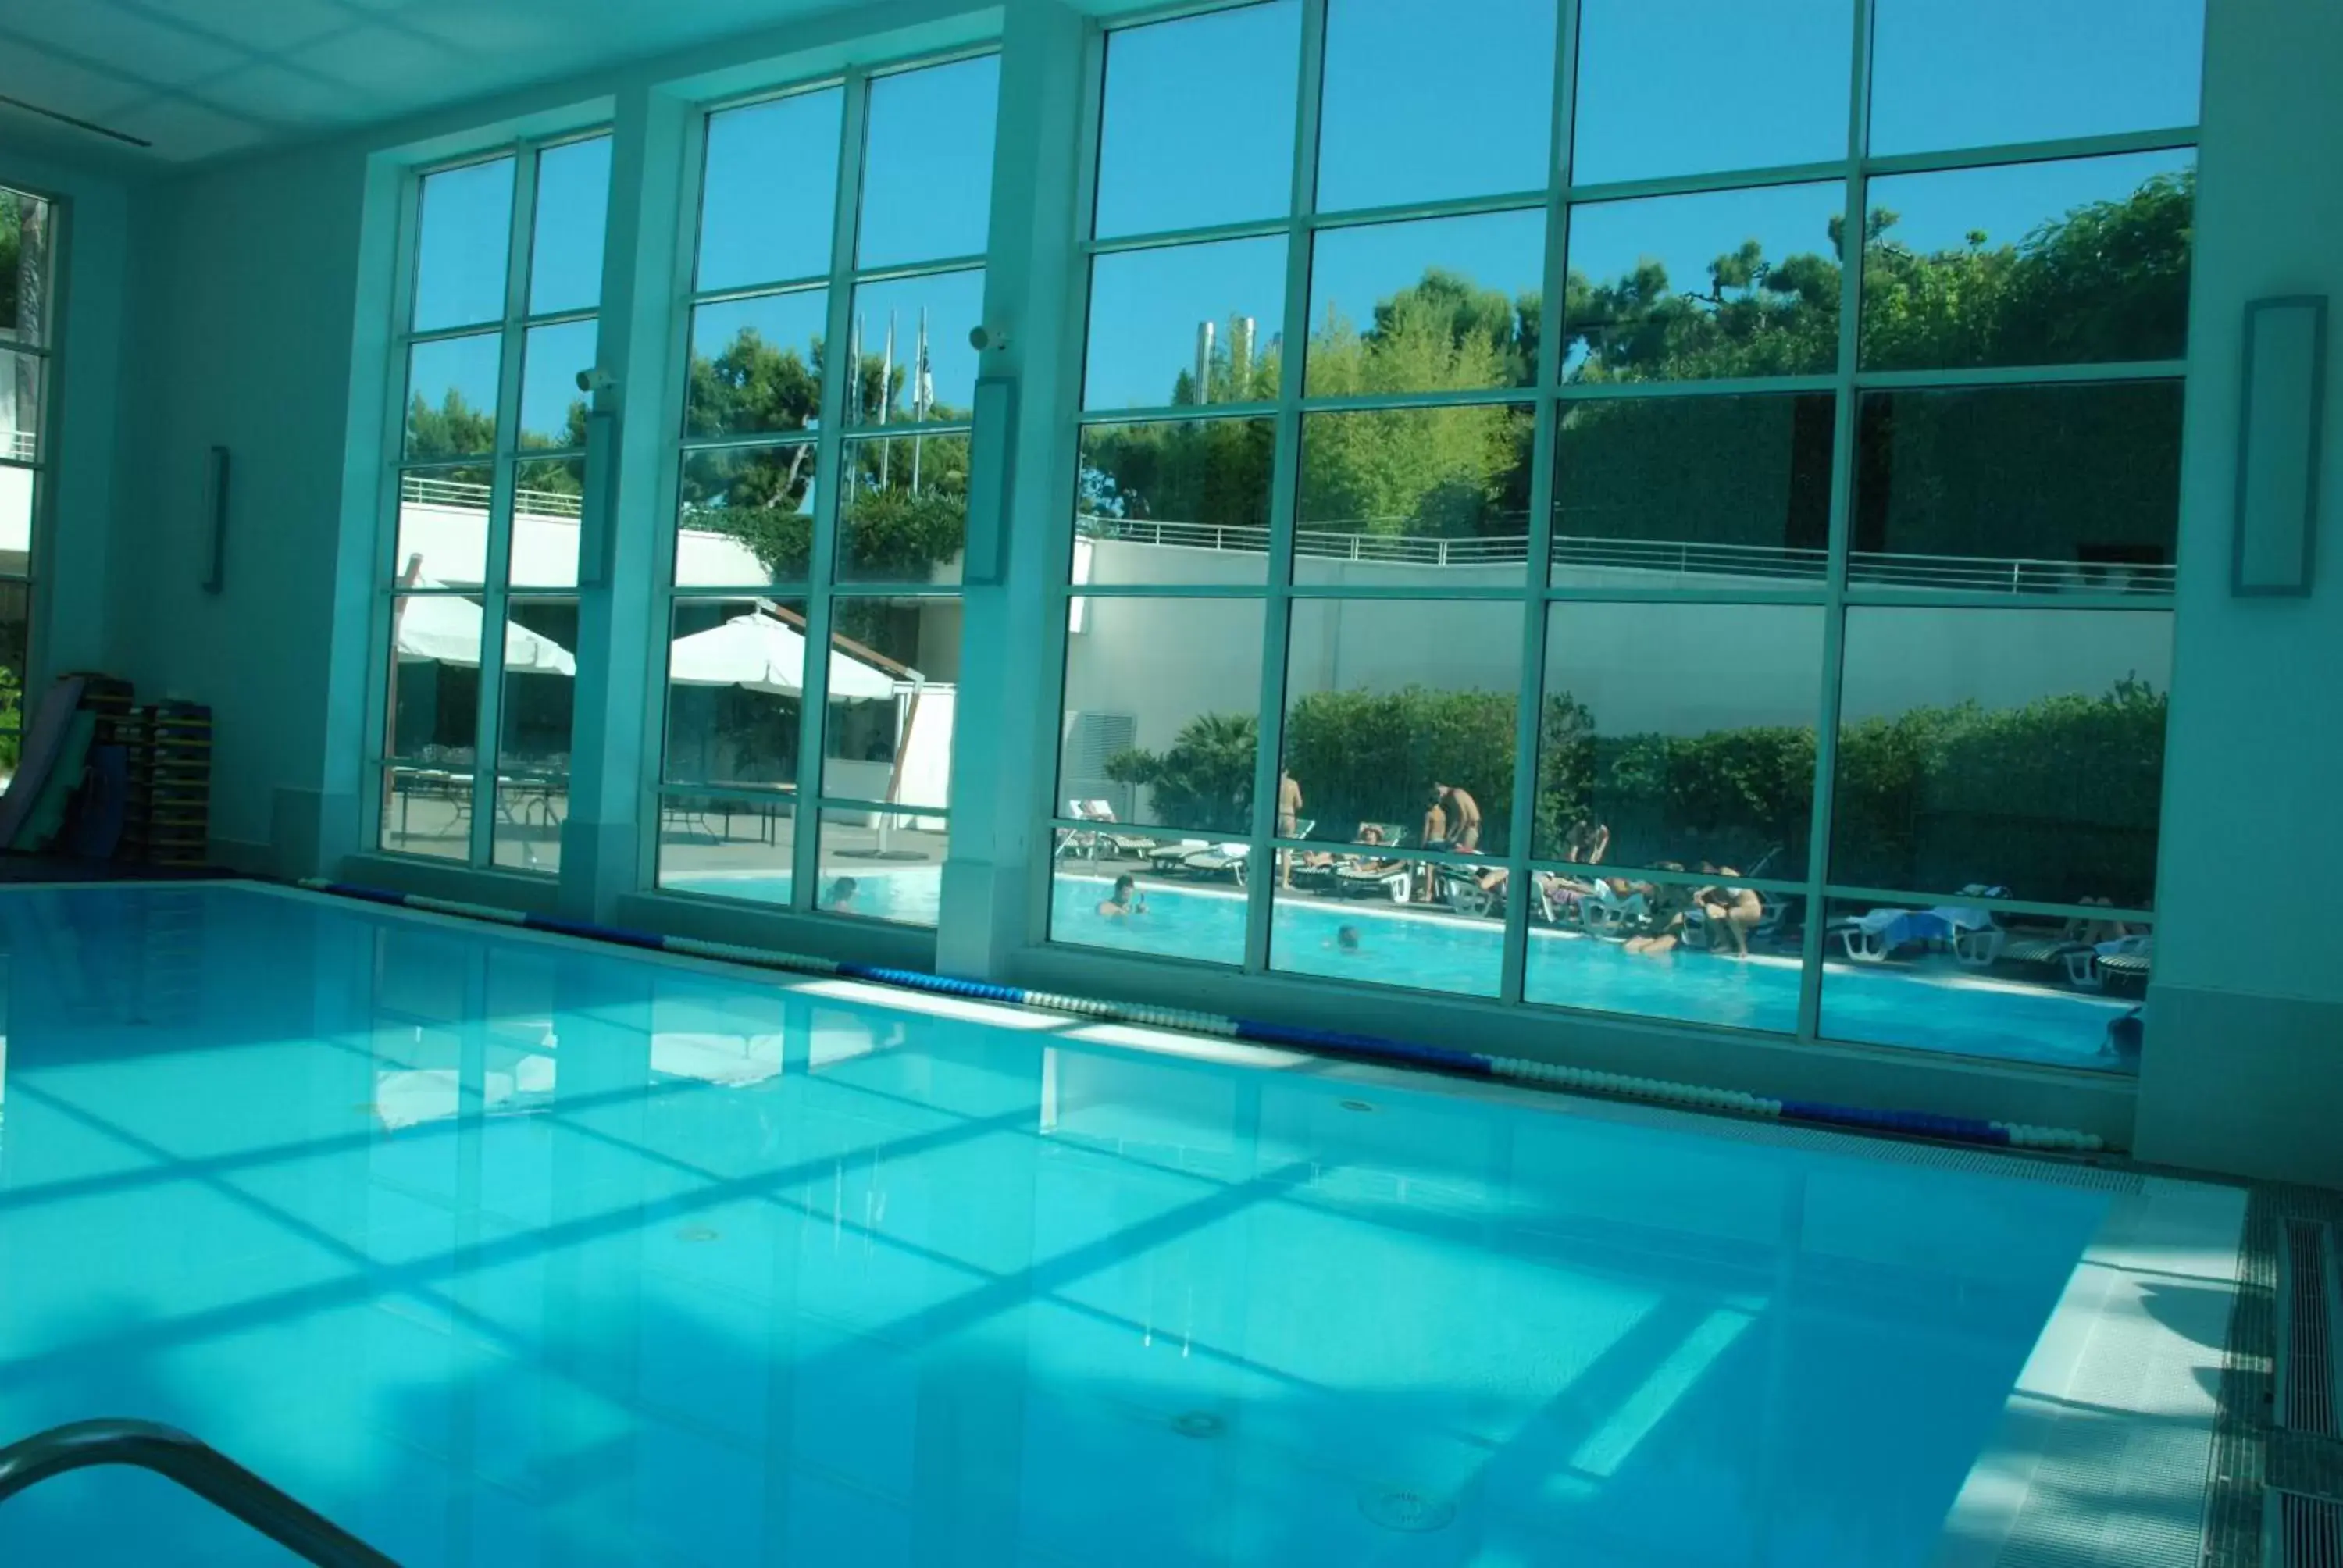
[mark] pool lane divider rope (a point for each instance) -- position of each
(1321, 1041)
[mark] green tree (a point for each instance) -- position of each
(1203, 782)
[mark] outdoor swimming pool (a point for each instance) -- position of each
(516, 1251)
(910, 894)
(1927, 1006)
(1931, 1005)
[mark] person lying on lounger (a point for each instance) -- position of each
(1369, 834)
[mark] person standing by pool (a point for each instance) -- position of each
(1289, 823)
(1734, 911)
(1436, 836)
(1124, 901)
(1464, 816)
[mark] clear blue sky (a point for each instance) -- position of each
(769, 190)
(1198, 129)
(926, 164)
(573, 200)
(462, 234)
(548, 381)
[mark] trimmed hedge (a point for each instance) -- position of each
(2058, 799)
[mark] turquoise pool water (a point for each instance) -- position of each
(910, 894)
(1930, 1006)
(513, 1253)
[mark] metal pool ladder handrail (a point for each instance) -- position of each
(194, 1465)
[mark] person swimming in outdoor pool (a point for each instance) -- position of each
(840, 894)
(1346, 941)
(1125, 901)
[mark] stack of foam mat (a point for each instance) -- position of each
(180, 784)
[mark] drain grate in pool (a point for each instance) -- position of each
(1198, 1424)
(697, 1234)
(2304, 1531)
(1356, 1105)
(2308, 1293)
(1407, 1509)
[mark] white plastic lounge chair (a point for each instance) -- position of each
(1218, 860)
(1605, 913)
(1876, 936)
(2127, 957)
(1128, 846)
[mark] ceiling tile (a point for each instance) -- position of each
(264, 25)
(185, 132)
(106, 39)
(210, 77)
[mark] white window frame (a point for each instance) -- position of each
(513, 325)
(804, 803)
(1834, 595)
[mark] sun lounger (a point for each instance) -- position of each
(1605, 912)
(2124, 957)
(1873, 937)
(1102, 837)
(1218, 860)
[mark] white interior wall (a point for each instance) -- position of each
(2243, 1069)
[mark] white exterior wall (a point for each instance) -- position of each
(1681, 669)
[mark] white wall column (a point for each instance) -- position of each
(1000, 768)
(613, 758)
(2243, 1067)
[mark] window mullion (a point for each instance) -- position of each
(1528, 718)
(1284, 493)
(502, 476)
(839, 373)
(1852, 227)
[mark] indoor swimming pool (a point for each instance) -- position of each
(510, 1249)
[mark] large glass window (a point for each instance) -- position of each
(505, 280)
(27, 242)
(823, 494)
(1684, 550)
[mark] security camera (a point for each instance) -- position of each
(596, 380)
(982, 337)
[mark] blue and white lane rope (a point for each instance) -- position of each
(1368, 1048)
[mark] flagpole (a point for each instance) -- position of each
(886, 394)
(922, 394)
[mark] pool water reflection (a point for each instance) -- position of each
(522, 1250)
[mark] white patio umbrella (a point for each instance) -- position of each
(443, 629)
(763, 654)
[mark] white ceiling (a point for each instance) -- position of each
(204, 78)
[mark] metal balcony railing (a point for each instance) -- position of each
(1671, 558)
(422, 489)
